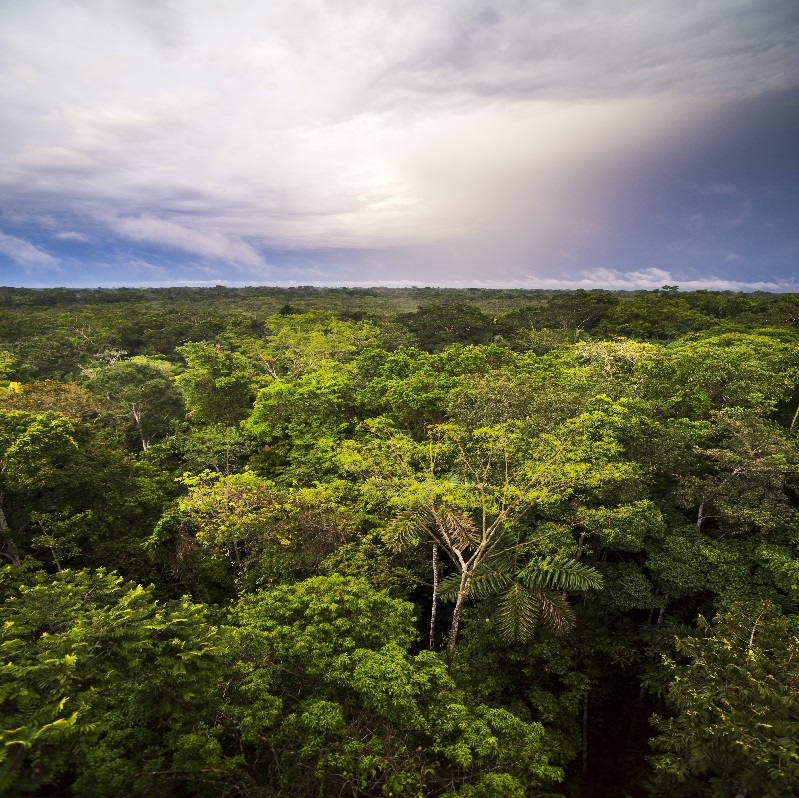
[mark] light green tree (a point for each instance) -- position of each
(264, 532)
(36, 450)
(219, 384)
(356, 712)
(468, 492)
(102, 688)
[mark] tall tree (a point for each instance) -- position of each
(36, 450)
(219, 384)
(468, 490)
(144, 391)
(103, 690)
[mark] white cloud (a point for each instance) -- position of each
(650, 279)
(24, 253)
(223, 129)
(73, 235)
(199, 242)
(607, 279)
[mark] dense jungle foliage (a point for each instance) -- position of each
(413, 542)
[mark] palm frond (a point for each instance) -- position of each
(487, 582)
(459, 528)
(490, 582)
(449, 586)
(517, 614)
(508, 558)
(406, 530)
(504, 563)
(558, 573)
(555, 612)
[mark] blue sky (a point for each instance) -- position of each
(568, 143)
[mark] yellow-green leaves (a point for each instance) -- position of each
(92, 664)
(263, 531)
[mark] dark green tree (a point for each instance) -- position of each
(219, 384)
(734, 689)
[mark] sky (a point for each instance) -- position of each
(621, 144)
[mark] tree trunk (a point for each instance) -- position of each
(435, 597)
(137, 418)
(463, 592)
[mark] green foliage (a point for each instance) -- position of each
(529, 591)
(370, 559)
(144, 395)
(95, 672)
(736, 699)
(656, 317)
(216, 448)
(219, 384)
(36, 451)
(362, 715)
(407, 385)
(7, 365)
(298, 344)
(67, 399)
(66, 495)
(296, 423)
(440, 325)
(265, 533)
(571, 480)
(753, 370)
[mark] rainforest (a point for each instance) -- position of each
(407, 542)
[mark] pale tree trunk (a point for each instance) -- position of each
(136, 412)
(435, 597)
(463, 592)
(700, 516)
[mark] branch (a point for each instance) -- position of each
(752, 636)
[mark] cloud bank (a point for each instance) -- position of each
(461, 140)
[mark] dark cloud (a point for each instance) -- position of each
(592, 50)
(724, 199)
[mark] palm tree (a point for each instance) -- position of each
(489, 560)
(529, 591)
(479, 485)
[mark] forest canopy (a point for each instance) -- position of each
(399, 542)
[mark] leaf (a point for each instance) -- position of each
(517, 613)
(404, 531)
(448, 587)
(459, 528)
(555, 612)
(558, 573)
(490, 582)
